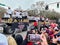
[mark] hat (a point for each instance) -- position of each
(19, 39)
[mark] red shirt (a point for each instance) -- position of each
(30, 43)
(52, 25)
(35, 24)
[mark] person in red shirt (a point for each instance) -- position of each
(50, 32)
(36, 25)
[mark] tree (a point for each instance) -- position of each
(2, 11)
(38, 7)
(52, 15)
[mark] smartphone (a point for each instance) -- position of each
(34, 37)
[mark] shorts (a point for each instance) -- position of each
(24, 17)
(19, 18)
(10, 14)
(5, 18)
(35, 27)
(42, 20)
(32, 20)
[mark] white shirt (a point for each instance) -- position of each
(28, 17)
(43, 18)
(3, 40)
(13, 16)
(37, 18)
(18, 15)
(46, 19)
(26, 14)
(23, 14)
(6, 15)
(9, 11)
(31, 17)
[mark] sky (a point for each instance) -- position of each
(25, 4)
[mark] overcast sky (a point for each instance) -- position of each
(25, 4)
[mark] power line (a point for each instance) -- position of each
(53, 3)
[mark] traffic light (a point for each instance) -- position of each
(47, 7)
(57, 5)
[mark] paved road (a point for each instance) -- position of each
(23, 34)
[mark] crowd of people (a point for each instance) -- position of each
(15, 14)
(48, 34)
(44, 33)
(18, 15)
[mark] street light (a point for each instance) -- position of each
(47, 7)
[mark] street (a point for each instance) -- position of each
(23, 34)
